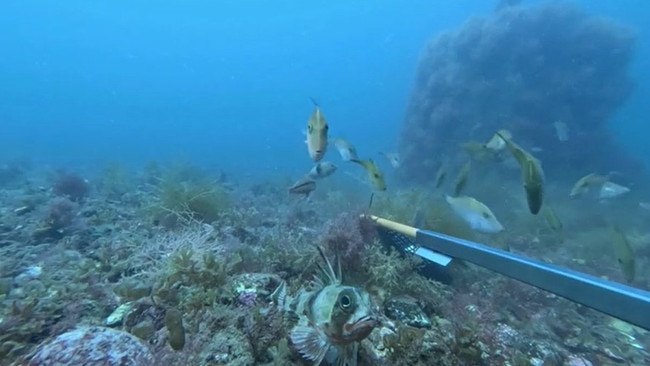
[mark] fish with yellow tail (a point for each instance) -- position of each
(624, 253)
(317, 129)
(532, 175)
(332, 318)
(375, 175)
(475, 213)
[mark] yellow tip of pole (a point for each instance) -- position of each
(392, 225)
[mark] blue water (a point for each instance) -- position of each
(227, 83)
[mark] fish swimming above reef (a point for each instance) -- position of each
(317, 129)
(583, 184)
(375, 175)
(532, 175)
(321, 170)
(497, 143)
(441, 175)
(612, 190)
(393, 158)
(553, 221)
(462, 178)
(331, 318)
(475, 213)
(561, 131)
(477, 151)
(304, 186)
(347, 151)
(624, 253)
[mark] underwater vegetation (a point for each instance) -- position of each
(199, 292)
(549, 73)
(184, 193)
(70, 185)
(177, 265)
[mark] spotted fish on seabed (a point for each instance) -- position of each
(332, 318)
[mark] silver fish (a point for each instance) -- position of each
(322, 170)
(612, 190)
(304, 186)
(332, 318)
(393, 159)
(346, 150)
(477, 215)
(561, 131)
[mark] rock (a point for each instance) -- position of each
(260, 284)
(92, 346)
(122, 311)
(406, 310)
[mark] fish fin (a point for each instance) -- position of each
(358, 161)
(310, 343)
(279, 296)
(328, 270)
(419, 217)
(347, 355)
(314, 101)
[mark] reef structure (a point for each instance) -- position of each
(525, 69)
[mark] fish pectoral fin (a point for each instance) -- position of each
(312, 344)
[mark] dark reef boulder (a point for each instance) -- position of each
(522, 69)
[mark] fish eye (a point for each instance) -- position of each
(485, 215)
(376, 175)
(345, 302)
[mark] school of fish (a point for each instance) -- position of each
(333, 318)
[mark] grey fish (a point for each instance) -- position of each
(304, 186)
(322, 170)
(347, 151)
(332, 318)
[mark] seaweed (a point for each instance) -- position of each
(115, 182)
(71, 185)
(192, 283)
(184, 197)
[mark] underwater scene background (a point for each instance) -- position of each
(188, 183)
